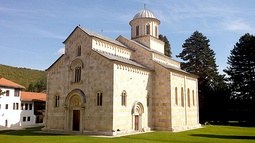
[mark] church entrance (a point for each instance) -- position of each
(136, 122)
(137, 113)
(76, 120)
(75, 111)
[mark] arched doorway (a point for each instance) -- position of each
(137, 112)
(74, 110)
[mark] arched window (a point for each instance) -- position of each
(99, 98)
(147, 29)
(182, 97)
(137, 30)
(188, 97)
(77, 76)
(124, 98)
(76, 67)
(176, 96)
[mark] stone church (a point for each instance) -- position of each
(113, 87)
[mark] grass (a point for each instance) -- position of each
(208, 134)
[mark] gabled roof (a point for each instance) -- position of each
(54, 62)
(175, 69)
(93, 34)
(145, 47)
(7, 83)
(32, 96)
(120, 59)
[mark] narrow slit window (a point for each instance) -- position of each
(182, 97)
(124, 98)
(79, 51)
(137, 30)
(147, 29)
(99, 98)
(57, 101)
(176, 96)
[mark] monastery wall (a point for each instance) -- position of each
(137, 83)
(184, 99)
(161, 99)
(54, 116)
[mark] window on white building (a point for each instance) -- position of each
(24, 119)
(28, 118)
(6, 106)
(30, 106)
(26, 106)
(7, 93)
(16, 92)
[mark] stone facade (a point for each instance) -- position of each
(112, 87)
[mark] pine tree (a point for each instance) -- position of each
(199, 59)
(241, 73)
(167, 47)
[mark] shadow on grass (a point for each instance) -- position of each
(224, 136)
(33, 131)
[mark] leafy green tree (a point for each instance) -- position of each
(199, 59)
(241, 72)
(167, 47)
(38, 86)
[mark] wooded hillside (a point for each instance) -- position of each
(22, 76)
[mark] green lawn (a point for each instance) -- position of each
(207, 134)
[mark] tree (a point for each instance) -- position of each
(199, 59)
(38, 86)
(167, 47)
(1, 92)
(241, 72)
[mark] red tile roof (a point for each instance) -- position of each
(32, 96)
(7, 83)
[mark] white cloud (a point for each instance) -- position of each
(61, 51)
(237, 25)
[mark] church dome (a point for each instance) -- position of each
(144, 14)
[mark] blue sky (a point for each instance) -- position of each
(32, 31)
